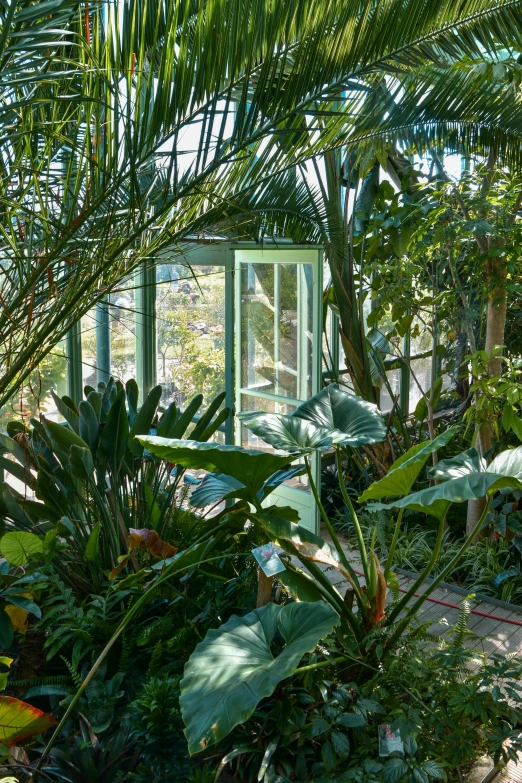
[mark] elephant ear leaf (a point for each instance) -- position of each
(288, 433)
(213, 488)
(404, 471)
(463, 464)
(250, 467)
(508, 463)
(234, 667)
(351, 420)
(465, 477)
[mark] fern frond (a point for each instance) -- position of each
(76, 677)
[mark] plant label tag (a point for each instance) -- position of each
(269, 561)
(389, 741)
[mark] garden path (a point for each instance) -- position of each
(498, 625)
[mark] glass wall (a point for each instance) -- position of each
(190, 329)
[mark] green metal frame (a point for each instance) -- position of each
(73, 349)
(103, 342)
(262, 255)
(145, 306)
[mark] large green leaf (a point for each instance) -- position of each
(308, 544)
(248, 466)
(404, 471)
(288, 433)
(465, 477)
(463, 464)
(62, 438)
(115, 433)
(18, 547)
(233, 668)
(19, 720)
(143, 420)
(88, 424)
(213, 488)
(350, 420)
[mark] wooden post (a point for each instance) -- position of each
(264, 589)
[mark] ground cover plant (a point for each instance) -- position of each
(138, 639)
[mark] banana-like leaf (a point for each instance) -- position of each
(19, 720)
(350, 420)
(233, 668)
(288, 433)
(62, 438)
(88, 424)
(115, 433)
(81, 462)
(404, 471)
(465, 477)
(248, 466)
(143, 420)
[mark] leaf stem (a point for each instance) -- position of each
(393, 545)
(353, 517)
(440, 578)
(340, 551)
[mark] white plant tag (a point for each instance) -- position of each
(389, 742)
(269, 561)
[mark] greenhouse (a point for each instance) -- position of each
(261, 391)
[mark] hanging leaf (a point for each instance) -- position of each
(421, 409)
(151, 542)
(233, 668)
(19, 619)
(91, 547)
(18, 547)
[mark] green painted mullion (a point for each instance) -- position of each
(73, 348)
(103, 342)
(145, 299)
(404, 383)
(230, 274)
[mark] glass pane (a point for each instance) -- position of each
(190, 323)
(88, 334)
(421, 369)
(35, 395)
(276, 333)
(394, 379)
(254, 404)
(122, 314)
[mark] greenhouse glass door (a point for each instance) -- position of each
(278, 347)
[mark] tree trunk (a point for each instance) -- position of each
(264, 589)
(495, 326)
